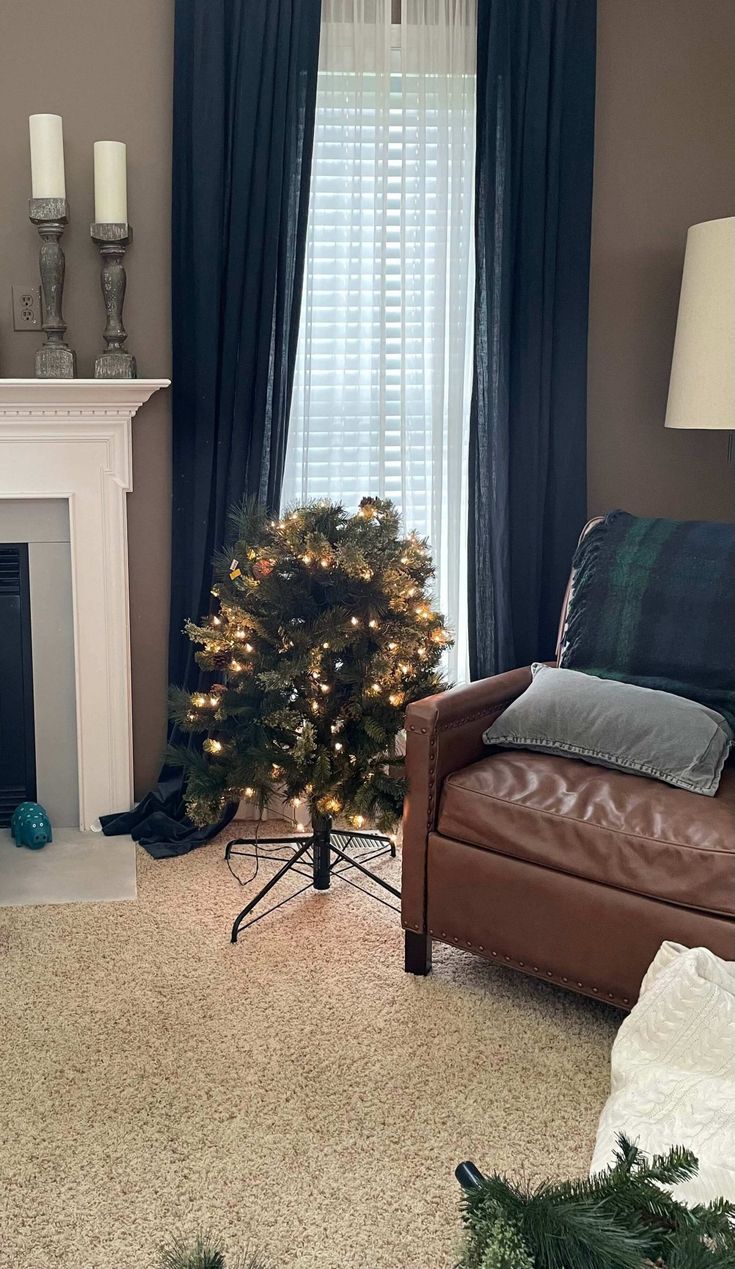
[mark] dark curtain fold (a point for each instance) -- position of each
(535, 136)
(245, 75)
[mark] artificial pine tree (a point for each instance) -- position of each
(323, 633)
(622, 1218)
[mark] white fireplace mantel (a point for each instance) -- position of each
(72, 439)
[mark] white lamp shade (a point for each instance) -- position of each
(702, 384)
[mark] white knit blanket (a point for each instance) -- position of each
(673, 1069)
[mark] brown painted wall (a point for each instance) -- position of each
(106, 68)
(664, 160)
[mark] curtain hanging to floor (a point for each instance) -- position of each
(384, 366)
(535, 124)
(244, 92)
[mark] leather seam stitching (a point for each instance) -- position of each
(715, 913)
(479, 713)
(642, 837)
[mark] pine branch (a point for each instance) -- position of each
(622, 1218)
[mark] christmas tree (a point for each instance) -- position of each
(323, 633)
(622, 1218)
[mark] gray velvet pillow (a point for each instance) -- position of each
(618, 725)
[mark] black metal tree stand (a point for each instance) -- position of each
(320, 856)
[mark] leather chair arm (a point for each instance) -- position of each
(443, 734)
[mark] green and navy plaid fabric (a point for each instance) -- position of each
(653, 603)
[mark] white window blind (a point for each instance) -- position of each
(383, 374)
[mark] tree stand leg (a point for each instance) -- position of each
(418, 953)
(318, 858)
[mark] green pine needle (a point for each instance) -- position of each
(204, 1251)
(621, 1218)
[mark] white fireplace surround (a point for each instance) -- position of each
(72, 439)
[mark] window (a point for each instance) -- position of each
(383, 374)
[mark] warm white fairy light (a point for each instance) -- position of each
(235, 666)
(249, 792)
(216, 621)
(338, 746)
(214, 700)
(296, 801)
(373, 624)
(248, 647)
(354, 621)
(392, 647)
(199, 700)
(324, 687)
(325, 645)
(358, 820)
(324, 562)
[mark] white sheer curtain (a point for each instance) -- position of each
(383, 375)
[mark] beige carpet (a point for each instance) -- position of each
(297, 1089)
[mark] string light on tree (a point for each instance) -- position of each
(335, 615)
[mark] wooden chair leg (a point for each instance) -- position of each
(418, 953)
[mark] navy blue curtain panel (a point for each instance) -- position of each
(244, 99)
(245, 75)
(535, 138)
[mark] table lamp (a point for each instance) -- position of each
(702, 384)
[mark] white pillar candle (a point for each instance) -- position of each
(110, 183)
(47, 156)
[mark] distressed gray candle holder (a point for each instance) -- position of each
(115, 362)
(55, 360)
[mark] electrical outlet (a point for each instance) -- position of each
(26, 307)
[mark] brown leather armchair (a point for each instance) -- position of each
(570, 872)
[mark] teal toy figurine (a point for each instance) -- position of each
(30, 826)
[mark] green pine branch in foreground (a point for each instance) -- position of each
(204, 1251)
(621, 1218)
(323, 633)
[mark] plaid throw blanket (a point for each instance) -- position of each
(653, 603)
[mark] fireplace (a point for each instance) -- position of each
(17, 734)
(67, 444)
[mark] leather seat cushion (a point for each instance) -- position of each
(621, 830)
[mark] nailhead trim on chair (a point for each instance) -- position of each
(548, 973)
(493, 710)
(489, 712)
